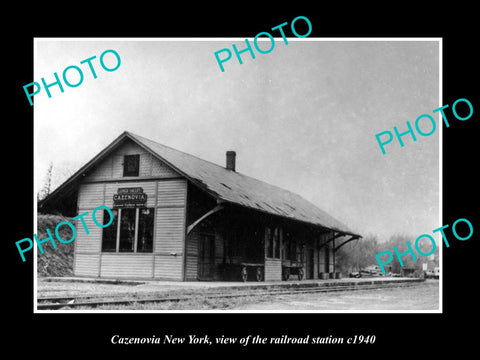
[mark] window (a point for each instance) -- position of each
(289, 246)
(276, 242)
(130, 231)
(131, 165)
(127, 230)
(109, 240)
(269, 242)
(272, 242)
(145, 230)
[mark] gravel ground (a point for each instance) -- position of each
(421, 296)
(63, 288)
(424, 296)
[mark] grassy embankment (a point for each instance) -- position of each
(59, 261)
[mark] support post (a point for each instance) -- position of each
(203, 217)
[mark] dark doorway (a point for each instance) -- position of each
(327, 259)
(206, 257)
(310, 262)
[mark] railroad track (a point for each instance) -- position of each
(92, 301)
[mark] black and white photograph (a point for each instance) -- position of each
(273, 184)
(261, 187)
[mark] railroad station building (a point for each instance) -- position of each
(178, 217)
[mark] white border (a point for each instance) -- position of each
(35, 178)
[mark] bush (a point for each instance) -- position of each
(59, 261)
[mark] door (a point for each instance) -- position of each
(310, 262)
(206, 257)
(327, 259)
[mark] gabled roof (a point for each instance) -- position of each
(225, 185)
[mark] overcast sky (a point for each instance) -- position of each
(303, 117)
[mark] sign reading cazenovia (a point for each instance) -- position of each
(129, 197)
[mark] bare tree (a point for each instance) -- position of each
(47, 184)
(63, 170)
(358, 254)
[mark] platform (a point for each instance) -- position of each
(80, 284)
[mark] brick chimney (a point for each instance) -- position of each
(231, 160)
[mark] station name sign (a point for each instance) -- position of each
(129, 197)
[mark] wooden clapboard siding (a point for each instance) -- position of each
(191, 268)
(90, 196)
(130, 148)
(160, 169)
(171, 193)
(112, 167)
(168, 197)
(170, 229)
(104, 170)
(91, 242)
(273, 269)
(169, 235)
(191, 249)
(168, 267)
(126, 265)
(144, 166)
(219, 244)
(86, 265)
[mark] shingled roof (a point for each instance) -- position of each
(226, 185)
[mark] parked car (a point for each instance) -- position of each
(369, 271)
(435, 274)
